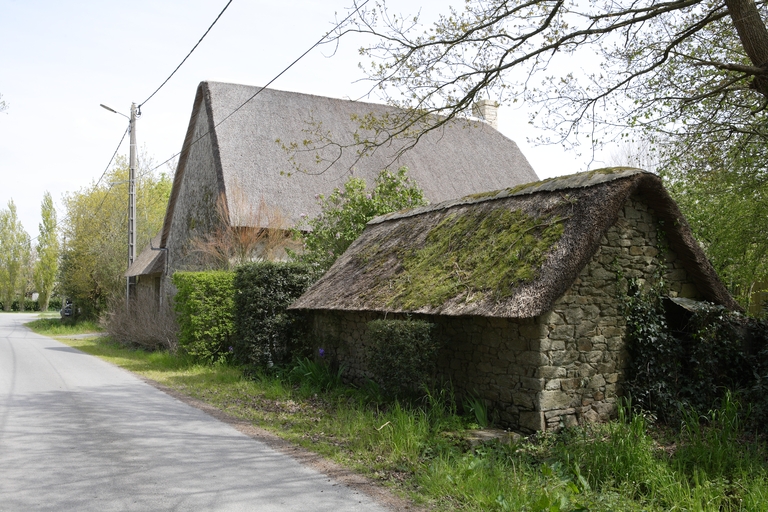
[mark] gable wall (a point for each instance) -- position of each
(195, 209)
(560, 368)
(583, 335)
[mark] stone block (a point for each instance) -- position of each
(573, 316)
(563, 357)
(531, 358)
(550, 318)
(561, 332)
(554, 399)
(595, 356)
(590, 417)
(532, 421)
(531, 384)
(570, 384)
(585, 329)
(597, 381)
(584, 344)
(606, 368)
(550, 372)
(534, 331)
(552, 384)
(602, 274)
(523, 399)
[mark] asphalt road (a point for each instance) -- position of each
(79, 434)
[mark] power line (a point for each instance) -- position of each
(318, 43)
(113, 156)
(185, 58)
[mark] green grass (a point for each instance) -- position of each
(55, 327)
(419, 448)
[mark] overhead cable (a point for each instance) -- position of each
(185, 58)
(318, 43)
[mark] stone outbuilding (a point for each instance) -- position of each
(523, 287)
(261, 154)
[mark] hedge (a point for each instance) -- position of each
(402, 355)
(266, 333)
(204, 303)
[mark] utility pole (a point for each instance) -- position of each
(131, 204)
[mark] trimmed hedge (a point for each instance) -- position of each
(204, 303)
(402, 355)
(267, 333)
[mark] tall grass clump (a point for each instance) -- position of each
(143, 324)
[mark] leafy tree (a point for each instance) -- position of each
(725, 199)
(94, 253)
(692, 69)
(48, 246)
(345, 212)
(14, 248)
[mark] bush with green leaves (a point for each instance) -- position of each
(402, 355)
(344, 214)
(267, 333)
(695, 364)
(204, 304)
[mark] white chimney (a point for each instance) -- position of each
(488, 111)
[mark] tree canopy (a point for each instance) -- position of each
(345, 212)
(673, 68)
(94, 229)
(14, 256)
(46, 267)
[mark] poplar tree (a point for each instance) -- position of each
(48, 247)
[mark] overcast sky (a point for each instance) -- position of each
(61, 59)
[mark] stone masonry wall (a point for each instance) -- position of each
(493, 358)
(582, 338)
(559, 369)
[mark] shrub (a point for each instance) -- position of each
(144, 324)
(29, 305)
(402, 356)
(345, 213)
(696, 363)
(267, 333)
(54, 304)
(204, 304)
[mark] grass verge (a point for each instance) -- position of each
(420, 450)
(55, 327)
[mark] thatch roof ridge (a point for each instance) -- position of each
(570, 181)
(589, 210)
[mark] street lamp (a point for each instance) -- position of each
(131, 196)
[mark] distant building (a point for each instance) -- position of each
(276, 152)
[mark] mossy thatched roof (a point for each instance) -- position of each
(508, 253)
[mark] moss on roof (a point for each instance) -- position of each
(470, 255)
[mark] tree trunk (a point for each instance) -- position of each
(754, 37)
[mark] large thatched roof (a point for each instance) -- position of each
(253, 167)
(555, 227)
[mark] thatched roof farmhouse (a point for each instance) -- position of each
(522, 285)
(256, 148)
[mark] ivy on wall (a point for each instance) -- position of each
(682, 360)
